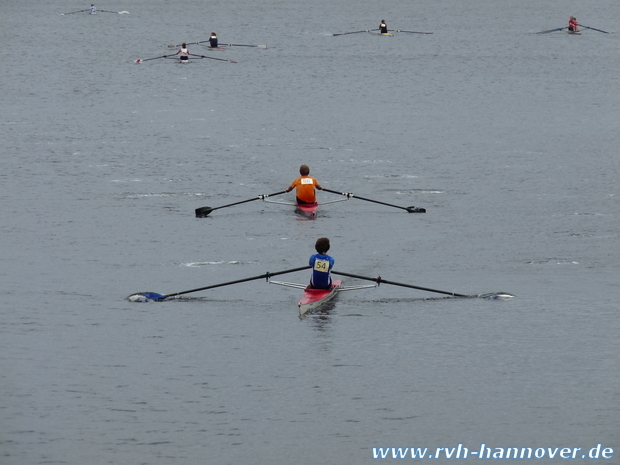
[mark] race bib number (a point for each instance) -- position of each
(321, 265)
(306, 181)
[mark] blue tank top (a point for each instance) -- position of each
(321, 267)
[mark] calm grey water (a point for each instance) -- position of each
(508, 138)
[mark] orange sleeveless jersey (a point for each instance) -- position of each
(305, 188)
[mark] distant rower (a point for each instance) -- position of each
(572, 24)
(93, 9)
(184, 52)
(213, 40)
(383, 27)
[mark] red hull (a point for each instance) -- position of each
(314, 298)
(308, 210)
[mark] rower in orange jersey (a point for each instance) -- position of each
(305, 187)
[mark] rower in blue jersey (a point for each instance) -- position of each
(213, 40)
(93, 9)
(322, 265)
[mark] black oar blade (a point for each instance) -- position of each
(416, 210)
(203, 212)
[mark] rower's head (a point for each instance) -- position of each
(322, 245)
(184, 45)
(304, 170)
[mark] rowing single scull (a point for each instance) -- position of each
(308, 210)
(314, 298)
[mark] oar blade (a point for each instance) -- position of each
(146, 297)
(496, 296)
(203, 212)
(416, 210)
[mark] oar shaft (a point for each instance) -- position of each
(552, 30)
(413, 32)
(354, 32)
(381, 280)
(362, 198)
(599, 30)
(211, 58)
(265, 275)
(260, 197)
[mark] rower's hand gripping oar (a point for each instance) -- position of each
(203, 212)
(350, 195)
(211, 58)
(155, 58)
(155, 297)
(379, 280)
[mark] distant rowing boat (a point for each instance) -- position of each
(307, 210)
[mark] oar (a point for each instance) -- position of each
(186, 43)
(604, 32)
(73, 12)
(354, 32)
(552, 30)
(203, 212)
(350, 195)
(155, 58)
(244, 45)
(380, 280)
(212, 58)
(153, 296)
(413, 32)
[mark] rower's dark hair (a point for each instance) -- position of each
(304, 170)
(322, 245)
